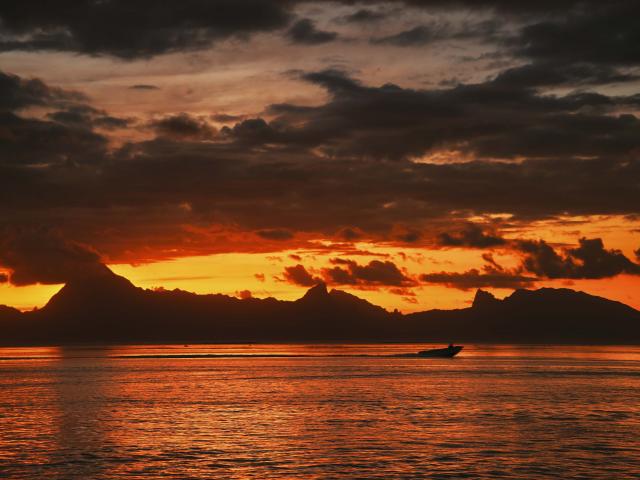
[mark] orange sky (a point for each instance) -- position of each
(262, 275)
(410, 139)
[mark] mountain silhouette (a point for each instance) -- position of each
(108, 308)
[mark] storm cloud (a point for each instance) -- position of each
(183, 126)
(305, 32)
(375, 273)
(128, 31)
(470, 236)
(590, 259)
(542, 132)
(487, 278)
(298, 275)
(44, 256)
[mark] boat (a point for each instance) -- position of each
(448, 352)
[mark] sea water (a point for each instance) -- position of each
(319, 412)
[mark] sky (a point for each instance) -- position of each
(408, 152)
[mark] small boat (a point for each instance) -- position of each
(449, 352)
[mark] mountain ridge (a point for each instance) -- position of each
(108, 308)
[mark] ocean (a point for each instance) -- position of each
(319, 412)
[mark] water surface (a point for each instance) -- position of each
(305, 411)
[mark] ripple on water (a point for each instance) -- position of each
(495, 414)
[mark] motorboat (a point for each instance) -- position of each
(448, 352)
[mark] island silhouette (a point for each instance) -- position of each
(106, 308)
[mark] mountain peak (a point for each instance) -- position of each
(101, 288)
(317, 292)
(484, 299)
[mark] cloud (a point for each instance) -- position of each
(66, 133)
(115, 28)
(4, 278)
(87, 116)
(17, 93)
(406, 234)
(244, 294)
(545, 74)
(28, 141)
(471, 236)
(588, 260)
(346, 165)
(144, 86)
(602, 33)
(44, 256)
(118, 29)
(305, 32)
(497, 119)
(416, 36)
(492, 275)
(298, 275)
(275, 234)
(253, 131)
(473, 278)
(350, 234)
(348, 272)
(375, 273)
(226, 118)
(183, 126)
(365, 15)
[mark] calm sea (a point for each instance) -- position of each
(242, 412)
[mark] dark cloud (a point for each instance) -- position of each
(375, 273)
(420, 35)
(275, 234)
(298, 275)
(183, 126)
(526, 7)
(534, 75)
(487, 278)
(253, 131)
(365, 15)
(589, 260)
(119, 29)
(134, 203)
(226, 118)
(321, 169)
(406, 235)
(494, 119)
(144, 86)
(349, 234)
(471, 236)
(4, 278)
(86, 116)
(305, 32)
(69, 138)
(33, 141)
(44, 256)
(244, 294)
(405, 292)
(17, 93)
(128, 31)
(491, 275)
(601, 33)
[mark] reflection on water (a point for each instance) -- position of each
(329, 412)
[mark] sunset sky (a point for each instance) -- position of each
(408, 152)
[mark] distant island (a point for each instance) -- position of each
(107, 308)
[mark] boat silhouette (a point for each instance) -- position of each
(448, 352)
